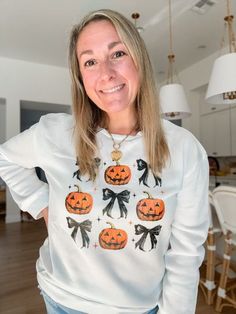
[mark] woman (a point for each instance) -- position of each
(127, 209)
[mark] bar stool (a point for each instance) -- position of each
(224, 198)
(207, 284)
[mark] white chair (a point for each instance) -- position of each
(224, 198)
(208, 284)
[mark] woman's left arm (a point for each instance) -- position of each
(189, 232)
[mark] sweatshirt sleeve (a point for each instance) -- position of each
(189, 232)
(18, 158)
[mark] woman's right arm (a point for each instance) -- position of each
(18, 158)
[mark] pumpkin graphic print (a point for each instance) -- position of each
(112, 238)
(79, 202)
(117, 174)
(150, 209)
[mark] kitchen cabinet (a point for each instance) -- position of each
(215, 133)
(206, 108)
(233, 129)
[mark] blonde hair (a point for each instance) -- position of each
(88, 117)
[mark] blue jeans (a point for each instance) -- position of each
(55, 308)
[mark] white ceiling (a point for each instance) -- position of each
(38, 30)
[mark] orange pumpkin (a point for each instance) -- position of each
(150, 209)
(112, 238)
(79, 202)
(117, 175)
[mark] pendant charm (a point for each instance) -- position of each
(116, 155)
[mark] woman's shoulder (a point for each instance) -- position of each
(171, 129)
(181, 139)
(55, 127)
(56, 122)
(51, 120)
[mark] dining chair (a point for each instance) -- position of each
(208, 284)
(224, 198)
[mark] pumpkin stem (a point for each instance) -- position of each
(111, 224)
(77, 187)
(148, 194)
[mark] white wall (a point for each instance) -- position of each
(20, 80)
(2, 120)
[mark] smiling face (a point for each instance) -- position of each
(109, 75)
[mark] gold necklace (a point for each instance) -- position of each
(116, 154)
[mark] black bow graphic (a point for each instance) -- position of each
(121, 198)
(84, 227)
(139, 229)
(77, 173)
(97, 162)
(142, 165)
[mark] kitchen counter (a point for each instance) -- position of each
(229, 180)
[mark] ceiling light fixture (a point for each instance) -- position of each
(172, 97)
(222, 83)
(135, 16)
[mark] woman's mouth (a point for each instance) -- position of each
(113, 89)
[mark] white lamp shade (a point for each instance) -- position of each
(173, 102)
(222, 80)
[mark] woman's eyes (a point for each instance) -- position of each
(90, 63)
(119, 54)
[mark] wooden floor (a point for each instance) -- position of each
(19, 244)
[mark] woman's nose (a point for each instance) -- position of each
(106, 70)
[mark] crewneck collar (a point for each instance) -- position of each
(119, 136)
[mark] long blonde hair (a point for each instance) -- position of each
(88, 117)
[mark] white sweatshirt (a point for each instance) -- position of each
(126, 242)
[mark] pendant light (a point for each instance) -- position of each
(222, 84)
(172, 96)
(135, 16)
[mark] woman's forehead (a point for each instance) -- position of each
(97, 33)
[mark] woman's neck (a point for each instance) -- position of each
(126, 124)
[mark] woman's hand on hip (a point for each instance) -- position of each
(45, 215)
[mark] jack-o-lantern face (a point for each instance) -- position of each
(112, 238)
(78, 202)
(150, 209)
(117, 175)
